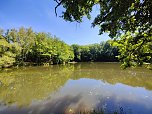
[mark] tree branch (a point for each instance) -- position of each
(59, 3)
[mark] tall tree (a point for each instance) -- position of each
(25, 47)
(7, 57)
(130, 21)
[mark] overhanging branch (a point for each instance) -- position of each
(58, 4)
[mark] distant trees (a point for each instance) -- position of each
(24, 45)
(95, 52)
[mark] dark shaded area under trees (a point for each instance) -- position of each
(102, 52)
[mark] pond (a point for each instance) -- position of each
(74, 88)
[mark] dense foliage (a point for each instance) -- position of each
(129, 21)
(102, 52)
(18, 47)
(25, 47)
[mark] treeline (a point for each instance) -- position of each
(102, 52)
(24, 46)
(18, 47)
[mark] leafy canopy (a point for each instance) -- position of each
(128, 22)
(24, 46)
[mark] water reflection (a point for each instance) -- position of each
(111, 73)
(74, 88)
(27, 84)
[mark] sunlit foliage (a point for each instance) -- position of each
(24, 46)
(128, 21)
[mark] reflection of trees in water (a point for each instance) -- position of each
(27, 84)
(111, 73)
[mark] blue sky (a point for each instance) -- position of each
(39, 14)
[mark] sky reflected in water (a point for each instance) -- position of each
(73, 88)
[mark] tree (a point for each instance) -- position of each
(135, 49)
(41, 50)
(128, 21)
(77, 52)
(61, 51)
(22, 40)
(7, 57)
(25, 47)
(103, 52)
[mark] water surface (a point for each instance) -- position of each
(73, 88)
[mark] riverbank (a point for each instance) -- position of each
(27, 64)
